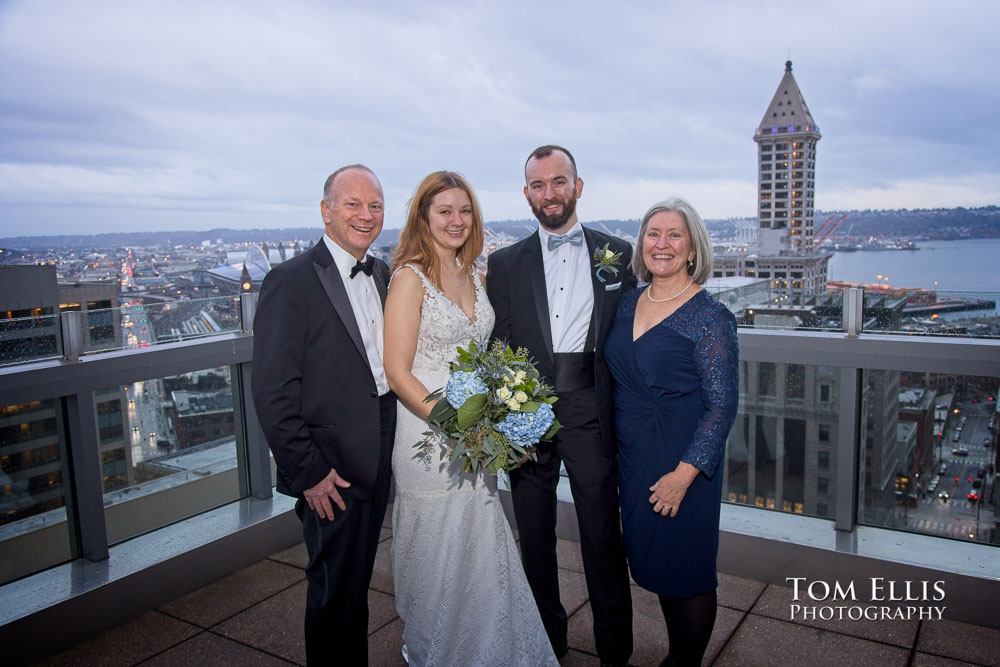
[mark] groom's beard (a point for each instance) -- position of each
(558, 220)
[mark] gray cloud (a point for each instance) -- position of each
(198, 115)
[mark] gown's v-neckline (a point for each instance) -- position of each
(475, 301)
(636, 339)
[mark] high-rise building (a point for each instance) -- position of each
(32, 433)
(786, 177)
(786, 183)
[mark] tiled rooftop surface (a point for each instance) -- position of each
(254, 617)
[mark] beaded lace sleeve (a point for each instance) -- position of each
(717, 360)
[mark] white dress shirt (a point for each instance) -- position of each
(570, 291)
(367, 307)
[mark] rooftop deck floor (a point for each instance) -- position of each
(254, 617)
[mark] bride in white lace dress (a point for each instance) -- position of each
(460, 588)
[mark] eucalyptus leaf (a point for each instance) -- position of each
(441, 413)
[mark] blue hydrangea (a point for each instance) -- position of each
(527, 428)
(461, 386)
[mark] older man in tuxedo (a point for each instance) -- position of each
(556, 293)
(321, 396)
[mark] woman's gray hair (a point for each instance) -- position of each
(701, 268)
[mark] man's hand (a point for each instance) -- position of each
(319, 496)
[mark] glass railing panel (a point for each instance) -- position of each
(928, 454)
(782, 451)
(24, 339)
(33, 528)
(761, 305)
(932, 312)
(138, 325)
(168, 450)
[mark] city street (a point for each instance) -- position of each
(147, 420)
(962, 455)
(146, 416)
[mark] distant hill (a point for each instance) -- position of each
(939, 223)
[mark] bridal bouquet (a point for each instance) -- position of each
(495, 409)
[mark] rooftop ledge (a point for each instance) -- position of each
(70, 602)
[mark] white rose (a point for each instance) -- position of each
(608, 254)
(519, 377)
(503, 393)
(513, 405)
(520, 396)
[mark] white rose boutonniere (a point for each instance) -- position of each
(606, 261)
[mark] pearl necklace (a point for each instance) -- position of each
(669, 298)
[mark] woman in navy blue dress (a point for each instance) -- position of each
(673, 353)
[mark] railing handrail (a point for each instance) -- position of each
(35, 380)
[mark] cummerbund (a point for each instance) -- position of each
(574, 371)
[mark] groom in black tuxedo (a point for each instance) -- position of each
(322, 399)
(554, 296)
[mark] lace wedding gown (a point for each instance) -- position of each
(460, 587)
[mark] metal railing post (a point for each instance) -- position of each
(854, 301)
(248, 308)
(255, 468)
(71, 323)
(848, 449)
(82, 473)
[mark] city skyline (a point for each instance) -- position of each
(125, 117)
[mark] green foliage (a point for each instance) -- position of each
(468, 432)
(471, 411)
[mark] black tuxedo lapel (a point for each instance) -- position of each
(599, 290)
(333, 285)
(379, 276)
(533, 269)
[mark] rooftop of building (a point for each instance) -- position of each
(254, 616)
(196, 403)
(914, 397)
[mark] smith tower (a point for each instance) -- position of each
(786, 156)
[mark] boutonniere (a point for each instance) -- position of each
(606, 261)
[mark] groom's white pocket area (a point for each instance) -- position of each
(612, 287)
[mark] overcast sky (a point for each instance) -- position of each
(192, 115)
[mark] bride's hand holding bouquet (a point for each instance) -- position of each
(493, 411)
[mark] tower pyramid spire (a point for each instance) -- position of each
(788, 106)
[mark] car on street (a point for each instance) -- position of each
(943, 495)
(973, 496)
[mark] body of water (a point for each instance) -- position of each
(971, 265)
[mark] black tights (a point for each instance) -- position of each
(689, 627)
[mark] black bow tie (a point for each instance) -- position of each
(365, 266)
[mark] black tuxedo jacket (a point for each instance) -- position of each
(313, 388)
(515, 282)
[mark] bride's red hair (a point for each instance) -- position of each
(415, 245)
